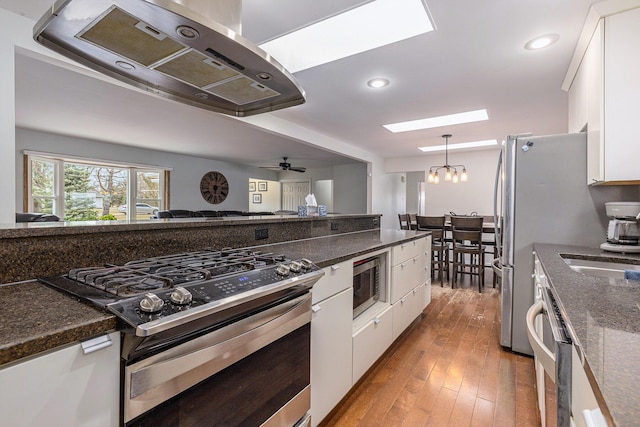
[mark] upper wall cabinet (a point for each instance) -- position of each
(603, 97)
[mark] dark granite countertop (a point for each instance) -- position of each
(329, 250)
(35, 318)
(51, 319)
(604, 318)
(61, 228)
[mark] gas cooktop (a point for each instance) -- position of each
(159, 293)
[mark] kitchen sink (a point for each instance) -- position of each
(599, 267)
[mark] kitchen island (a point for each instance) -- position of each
(54, 320)
(603, 318)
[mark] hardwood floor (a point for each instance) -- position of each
(448, 369)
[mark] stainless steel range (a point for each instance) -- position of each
(210, 337)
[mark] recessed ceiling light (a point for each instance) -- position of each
(354, 31)
(434, 122)
(473, 144)
(541, 42)
(377, 83)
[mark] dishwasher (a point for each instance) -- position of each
(552, 347)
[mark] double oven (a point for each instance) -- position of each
(210, 338)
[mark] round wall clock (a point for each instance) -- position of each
(214, 187)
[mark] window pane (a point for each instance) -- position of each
(42, 186)
(81, 201)
(111, 185)
(147, 193)
(42, 205)
(42, 178)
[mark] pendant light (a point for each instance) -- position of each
(450, 171)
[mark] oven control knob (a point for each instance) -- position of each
(282, 270)
(181, 296)
(151, 303)
(306, 264)
(295, 266)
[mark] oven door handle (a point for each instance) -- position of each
(544, 355)
(177, 369)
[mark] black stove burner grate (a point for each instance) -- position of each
(165, 272)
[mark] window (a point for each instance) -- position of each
(87, 190)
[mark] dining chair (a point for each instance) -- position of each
(413, 225)
(404, 221)
(468, 249)
(439, 248)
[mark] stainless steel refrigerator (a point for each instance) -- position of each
(542, 196)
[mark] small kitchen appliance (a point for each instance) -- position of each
(622, 232)
(206, 331)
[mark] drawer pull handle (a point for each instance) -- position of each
(316, 308)
(335, 267)
(402, 301)
(95, 344)
(376, 320)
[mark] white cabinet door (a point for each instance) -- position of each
(593, 68)
(621, 96)
(337, 278)
(406, 310)
(331, 353)
(64, 388)
(371, 341)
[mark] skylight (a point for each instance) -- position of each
(375, 24)
(434, 122)
(459, 146)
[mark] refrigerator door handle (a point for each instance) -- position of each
(497, 215)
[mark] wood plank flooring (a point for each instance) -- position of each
(448, 369)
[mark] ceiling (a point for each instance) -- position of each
(475, 59)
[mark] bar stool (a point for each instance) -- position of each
(467, 244)
(439, 248)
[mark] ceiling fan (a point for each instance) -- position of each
(286, 166)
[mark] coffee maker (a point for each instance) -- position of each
(623, 231)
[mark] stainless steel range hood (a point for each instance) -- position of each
(186, 50)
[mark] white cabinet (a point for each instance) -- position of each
(606, 88)
(370, 341)
(331, 353)
(65, 388)
(407, 309)
(406, 276)
(411, 266)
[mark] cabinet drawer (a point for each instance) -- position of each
(406, 310)
(407, 275)
(408, 250)
(337, 278)
(371, 341)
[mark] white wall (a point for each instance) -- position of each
(270, 199)
(350, 188)
(462, 198)
(349, 185)
(185, 177)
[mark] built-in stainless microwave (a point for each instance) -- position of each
(368, 278)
